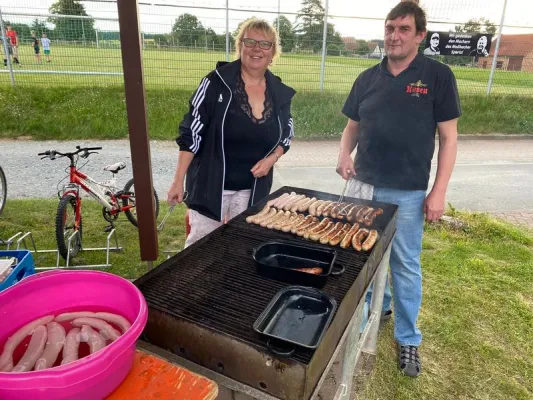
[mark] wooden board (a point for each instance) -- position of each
(154, 378)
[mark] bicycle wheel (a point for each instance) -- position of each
(66, 226)
(132, 212)
(3, 190)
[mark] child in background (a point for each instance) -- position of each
(36, 49)
(46, 47)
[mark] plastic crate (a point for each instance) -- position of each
(25, 267)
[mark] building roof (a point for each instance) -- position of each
(513, 45)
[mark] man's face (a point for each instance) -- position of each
(482, 43)
(435, 41)
(401, 38)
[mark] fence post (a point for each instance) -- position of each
(97, 43)
(6, 50)
(324, 47)
(279, 13)
(495, 58)
(227, 30)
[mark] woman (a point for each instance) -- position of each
(238, 126)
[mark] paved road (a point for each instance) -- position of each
(490, 175)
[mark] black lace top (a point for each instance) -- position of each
(246, 138)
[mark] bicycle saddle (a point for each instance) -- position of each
(114, 168)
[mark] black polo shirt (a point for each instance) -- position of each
(398, 118)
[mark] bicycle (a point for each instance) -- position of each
(113, 201)
(3, 190)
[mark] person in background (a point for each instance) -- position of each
(238, 126)
(36, 48)
(394, 110)
(9, 49)
(13, 37)
(46, 47)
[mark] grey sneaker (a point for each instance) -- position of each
(409, 361)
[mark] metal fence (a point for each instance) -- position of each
(183, 41)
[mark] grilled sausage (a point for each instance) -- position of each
(6, 359)
(297, 221)
(335, 211)
(370, 240)
(296, 206)
(314, 270)
(92, 338)
(34, 350)
(343, 212)
(292, 216)
(271, 203)
(316, 228)
(279, 218)
(315, 236)
(249, 219)
(328, 208)
(328, 236)
(295, 200)
(305, 206)
(320, 208)
(351, 217)
(358, 238)
(274, 217)
(335, 240)
(302, 230)
(347, 240)
(72, 345)
(370, 217)
(313, 207)
(106, 330)
(306, 221)
(268, 215)
(360, 217)
(54, 344)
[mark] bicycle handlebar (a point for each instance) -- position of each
(85, 150)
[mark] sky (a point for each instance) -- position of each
(351, 18)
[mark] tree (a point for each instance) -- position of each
(362, 47)
(286, 33)
(310, 27)
(71, 28)
(189, 31)
(481, 25)
(39, 27)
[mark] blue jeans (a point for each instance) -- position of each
(404, 264)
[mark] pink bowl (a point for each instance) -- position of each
(92, 377)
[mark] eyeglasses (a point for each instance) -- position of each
(264, 44)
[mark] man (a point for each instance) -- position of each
(433, 49)
(481, 49)
(394, 109)
(12, 34)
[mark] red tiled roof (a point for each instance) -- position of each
(513, 45)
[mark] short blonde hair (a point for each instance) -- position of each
(259, 25)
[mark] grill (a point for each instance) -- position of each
(204, 300)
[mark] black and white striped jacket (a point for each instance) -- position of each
(202, 133)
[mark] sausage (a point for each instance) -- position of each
(95, 341)
(343, 212)
(295, 200)
(6, 359)
(297, 221)
(316, 228)
(277, 218)
(305, 221)
(72, 345)
(295, 206)
(315, 236)
(271, 203)
(249, 219)
(370, 240)
(302, 230)
(73, 315)
(306, 224)
(353, 212)
(269, 214)
(335, 240)
(360, 217)
(305, 206)
(335, 212)
(320, 208)
(347, 240)
(369, 218)
(328, 208)
(267, 221)
(358, 238)
(292, 218)
(115, 319)
(106, 330)
(280, 204)
(34, 350)
(313, 207)
(314, 270)
(336, 229)
(54, 344)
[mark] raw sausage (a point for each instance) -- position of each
(6, 359)
(320, 208)
(72, 344)
(106, 330)
(295, 200)
(73, 315)
(347, 240)
(271, 203)
(313, 207)
(115, 319)
(305, 206)
(34, 350)
(358, 238)
(280, 204)
(54, 345)
(263, 217)
(94, 339)
(370, 240)
(249, 219)
(296, 206)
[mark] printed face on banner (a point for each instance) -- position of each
(458, 44)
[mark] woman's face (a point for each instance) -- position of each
(257, 57)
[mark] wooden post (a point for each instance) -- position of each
(130, 43)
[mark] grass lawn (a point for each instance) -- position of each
(477, 312)
(173, 69)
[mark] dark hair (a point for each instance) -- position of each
(406, 8)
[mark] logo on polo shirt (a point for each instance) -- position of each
(417, 88)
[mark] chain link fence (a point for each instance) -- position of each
(183, 41)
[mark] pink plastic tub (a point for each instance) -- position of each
(90, 378)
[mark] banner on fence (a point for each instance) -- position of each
(458, 44)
